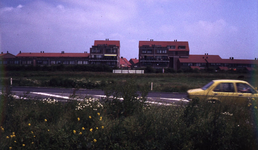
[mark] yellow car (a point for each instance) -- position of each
(232, 91)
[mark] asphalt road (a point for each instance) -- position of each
(64, 94)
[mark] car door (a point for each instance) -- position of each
(245, 92)
(224, 92)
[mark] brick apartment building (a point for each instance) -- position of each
(105, 52)
(162, 54)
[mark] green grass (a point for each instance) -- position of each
(28, 124)
(175, 82)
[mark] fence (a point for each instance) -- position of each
(129, 71)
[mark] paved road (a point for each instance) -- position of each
(65, 94)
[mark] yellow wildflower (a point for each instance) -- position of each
(45, 120)
(95, 140)
(100, 118)
(7, 137)
(29, 124)
(10, 147)
(13, 133)
(14, 141)
(91, 129)
(48, 130)
(83, 128)
(80, 133)
(74, 131)
(255, 107)
(23, 144)
(78, 119)
(98, 113)
(249, 104)
(97, 128)
(102, 127)
(32, 142)
(32, 132)
(90, 117)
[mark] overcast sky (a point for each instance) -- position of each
(228, 28)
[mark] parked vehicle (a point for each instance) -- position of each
(226, 91)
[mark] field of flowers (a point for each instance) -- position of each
(128, 124)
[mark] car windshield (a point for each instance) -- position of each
(207, 85)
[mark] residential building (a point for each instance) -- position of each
(7, 58)
(215, 62)
(134, 62)
(124, 63)
(162, 54)
(46, 59)
(105, 52)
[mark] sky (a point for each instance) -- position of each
(228, 28)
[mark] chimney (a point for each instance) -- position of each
(2, 53)
(43, 52)
(20, 52)
(62, 52)
(85, 52)
(151, 40)
(7, 52)
(107, 39)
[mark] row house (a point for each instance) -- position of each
(42, 58)
(162, 54)
(134, 62)
(105, 52)
(215, 62)
(7, 58)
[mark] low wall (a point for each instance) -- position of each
(129, 71)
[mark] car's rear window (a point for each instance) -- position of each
(207, 85)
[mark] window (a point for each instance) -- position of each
(181, 47)
(95, 50)
(52, 62)
(29, 62)
(161, 51)
(224, 87)
(98, 56)
(45, 62)
(16, 62)
(149, 51)
(144, 51)
(172, 47)
(79, 62)
(85, 62)
(72, 62)
(58, 62)
(207, 85)
(111, 50)
(244, 88)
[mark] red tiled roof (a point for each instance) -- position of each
(6, 55)
(165, 44)
(106, 42)
(124, 62)
(199, 59)
(135, 61)
(53, 55)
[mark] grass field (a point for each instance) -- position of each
(173, 82)
(127, 124)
